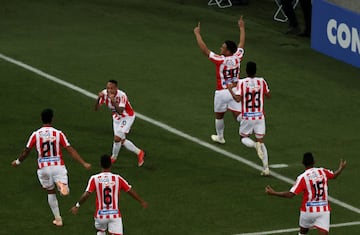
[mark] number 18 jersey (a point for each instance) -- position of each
(107, 187)
(313, 183)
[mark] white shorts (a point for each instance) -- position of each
(320, 220)
(114, 226)
(223, 101)
(247, 127)
(123, 126)
(49, 175)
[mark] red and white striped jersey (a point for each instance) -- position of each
(122, 99)
(227, 68)
(48, 142)
(252, 91)
(313, 183)
(107, 187)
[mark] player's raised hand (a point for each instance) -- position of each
(241, 22)
(197, 29)
(342, 164)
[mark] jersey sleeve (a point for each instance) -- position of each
(329, 174)
(63, 140)
(237, 90)
(240, 53)
(32, 141)
(215, 58)
(124, 185)
(91, 185)
(102, 99)
(266, 87)
(299, 186)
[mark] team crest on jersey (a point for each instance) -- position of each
(106, 181)
(230, 63)
(253, 86)
(314, 176)
(46, 136)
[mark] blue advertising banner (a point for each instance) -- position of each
(336, 32)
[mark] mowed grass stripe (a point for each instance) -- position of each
(169, 129)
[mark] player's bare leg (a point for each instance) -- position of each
(219, 126)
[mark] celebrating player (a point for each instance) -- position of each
(313, 183)
(250, 91)
(123, 117)
(227, 72)
(107, 187)
(51, 167)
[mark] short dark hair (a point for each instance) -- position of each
(113, 81)
(308, 159)
(47, 116)
(105, 161)
(251, 68)
(231, 46)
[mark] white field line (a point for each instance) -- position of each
(297, 229)
(170, 129)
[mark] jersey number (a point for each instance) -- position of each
(319, 189)
(252, 99)
(107, 196)
(48, 147)
(231, 73)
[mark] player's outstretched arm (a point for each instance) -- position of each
(21, 158)
(82, 199)
(269, 190)
(241, 24)
(200, 41)
(342, 165)
(134, 194)
(75, 155)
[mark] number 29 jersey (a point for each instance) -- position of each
(107, 187)
(313, 183)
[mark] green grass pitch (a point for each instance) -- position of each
(149, 47)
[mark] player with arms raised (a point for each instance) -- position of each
(313, 184)
(227, 72)
(123, 117)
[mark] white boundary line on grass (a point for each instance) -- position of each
(297, 229)
(170, 129)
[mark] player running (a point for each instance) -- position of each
(250, 91)
(107, 187)
(227, 72)
(123, 117)
(313, 183)
(51, 167)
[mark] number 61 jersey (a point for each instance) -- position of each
(107, 187)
